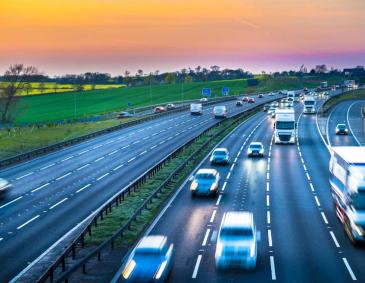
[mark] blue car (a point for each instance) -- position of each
(151, 260)
(220, 156)
(205, 182)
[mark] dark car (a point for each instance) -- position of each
(341, 129)
(239, 103)
(124, 114)
(151, 261)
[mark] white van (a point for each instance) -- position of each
(196, 109)
(220, 111)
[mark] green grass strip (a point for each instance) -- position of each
(356, 94)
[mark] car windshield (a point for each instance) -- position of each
(219, 108)
(284, 125)
(256, 146)
(205, 176)
(341, 127)
(239, 231)
(309, 102)
(220, 153)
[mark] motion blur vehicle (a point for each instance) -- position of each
(245, 99)
(347, 180)
(220, 111)
(170, 106)
(124, 114)
(341, 129)
(266, 107)
(159, 109)
(203, 99)
(271, 110)
(205, 182)
(236, 241)
(4, 186)
(251, 100)
(196, 109)
(255, 149)
(220, 156)
(150, 261)
(261, 95)
(275, 104)
(239, 103)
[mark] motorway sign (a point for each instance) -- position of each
(225, 91)
(206, 92)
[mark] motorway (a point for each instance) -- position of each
(54, 193)
(301, 239)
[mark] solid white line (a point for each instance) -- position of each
(99, 159)
(101, 177)
(348, 123)
(218, 200)
(353, 277)
(267, 186)
(196, 268)
(58, 203)
(82, 167)
(130, 160)
(21, 177)
(59, 178)
(82, 152)
(269, 237)
(113, 152)
(272, 265)
(26, 223)
(317, 200)
(41, 187)
(334, 239)
(10, 202)
(66, 158)
(267, 200)
(120, 166)
(83, 188)
(268, 218)
(213, 216)
(224, 186)
(320, 134)
(324, 217)
(206, 237)
(47, 166)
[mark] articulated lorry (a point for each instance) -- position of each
(347, 180)
(284, 126)
(309, 105)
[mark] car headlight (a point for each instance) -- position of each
(261, 151)
(128, 269)
(213, 187)
(193, 186)
(359, 230)
(252, 249)
(161, 269)
(219, 249)
(249, 151)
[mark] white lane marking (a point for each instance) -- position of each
(26, 223)
(272, 265)
(224, 186)
(308, 177)
(268, 218)
(305, 168)
(162, 142)
(103, 176)
(232, 167)
(218, 200)
(267, 186)
(348, 123)
(99, 159)
(334, 239)
(125, 146)
(143, 152)
(152, 147)
(21, 177)
(82, 167)
(311, 185)
(267, 176)
(83, 188)
(67, 158)
(136, 142)
(353, 277)
(10, 202)
(130, 160)
(58, 203)
(267, 200)
(206, 237)
(41, 187)
(324, 217)
(113, 152)
(269, 237)
(82, 152)
(235, 160)
(213, 216)
(229, 175)
(59, 178)
(100, 145)
(196, 268)
(120, 166)
(48, 166)
(317, 201)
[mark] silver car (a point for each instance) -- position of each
(4, 185)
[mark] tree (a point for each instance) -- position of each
(41, 87)
(170, 78)
(188, 79)
(27, 87)
(16, 77)
(139, 73)
(55, 87)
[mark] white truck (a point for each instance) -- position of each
(347, 180)
(284, 126)
(309, 105)
(290, 96)
(196, 109)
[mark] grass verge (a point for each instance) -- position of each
(119, 215)
(356, 94)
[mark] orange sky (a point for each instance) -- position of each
(62, 36)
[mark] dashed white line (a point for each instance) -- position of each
(100, 145)
(224, 186)
(58, 203)
(48, 166)
(10, 202)
(161, 142)
(324, 217)
(103, 176)
(312, 188)
(26, 223)
(99, 159)
(137, 142)
(268, 217)
(206, 237)
(228, 175)
(41, 187)
(267, 176)
(130, 160)
(82, 152)
(152, 147)
(334, 239)
(213, 216)
(267, 186)
(113, 152)
(196, 268)
(67, 158)
(272, 265)
(64, 176)
(218, 200)
(269, 237)
(308, 177)
(124, 147)
(120, 166)
(83, 188)
(317, 201)
(232, 167)
(353, 277)
(21, 177)
(143, 152)
(82, 167)
(267, 200)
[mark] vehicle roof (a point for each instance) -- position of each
(220, 149)
(233, 219)
(256, 143)
(341, 124)
(207, 171)
(351, 154)
(152, 242)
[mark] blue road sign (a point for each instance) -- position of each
(206, 92)
(225, 91)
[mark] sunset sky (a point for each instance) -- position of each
(73, 36)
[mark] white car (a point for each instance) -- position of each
(236, 241)
(271, 94)
(255, 149)
(204, 99)
(220, 111)
(4, 185)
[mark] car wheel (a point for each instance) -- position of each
(193, 195)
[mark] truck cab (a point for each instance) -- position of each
(309, 105)
(285, 126)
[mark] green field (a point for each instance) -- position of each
(53, 107)
(49, 87)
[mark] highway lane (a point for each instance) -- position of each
(75, 188)
(355, 121)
